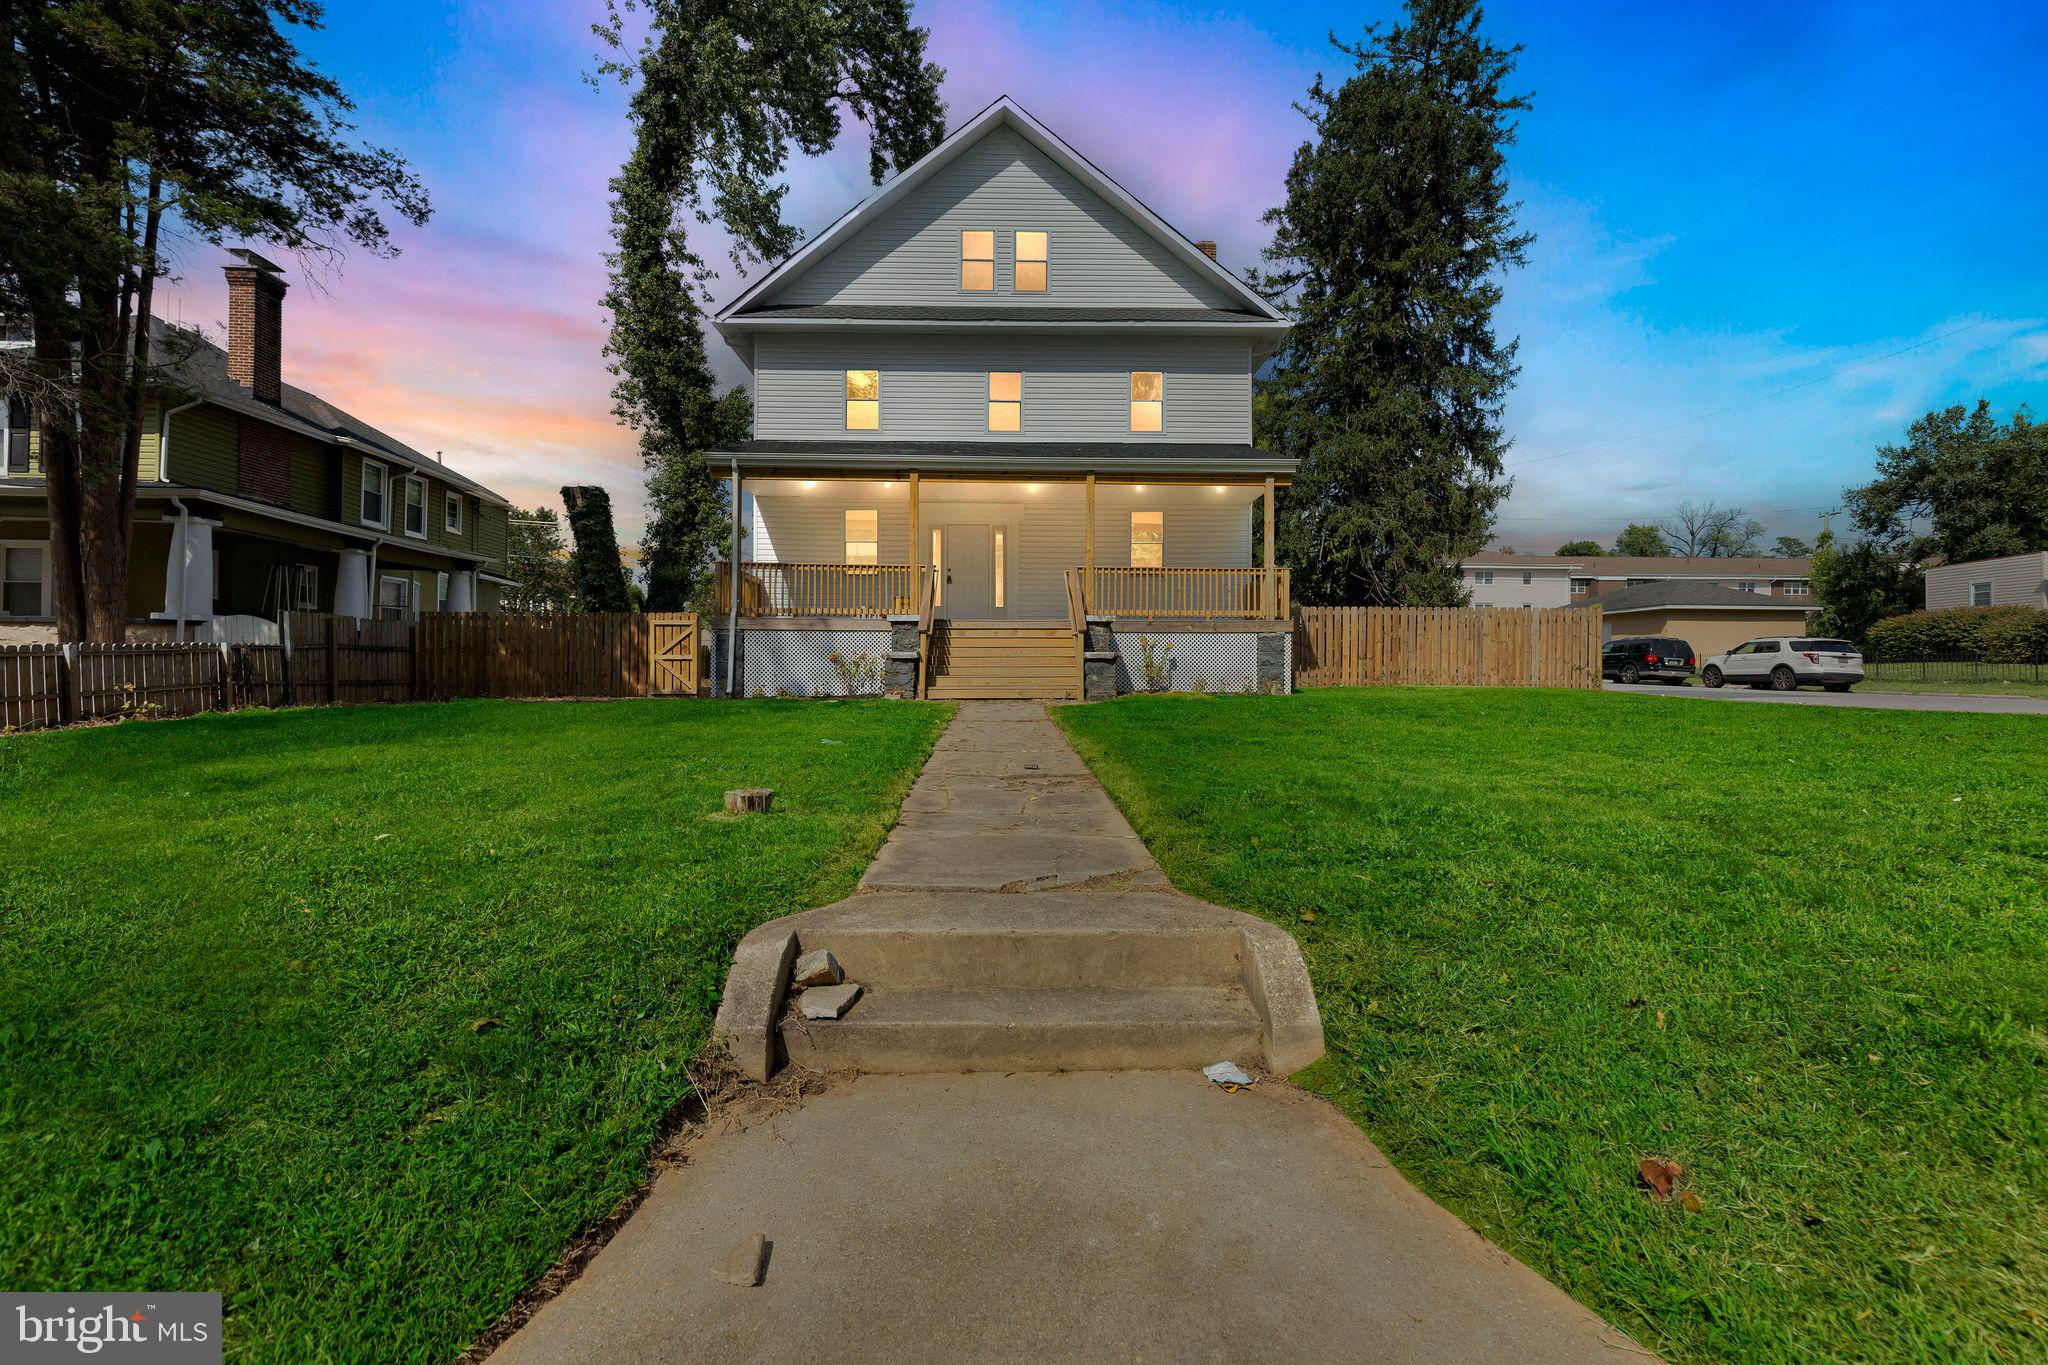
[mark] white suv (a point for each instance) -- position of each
(1785, 662)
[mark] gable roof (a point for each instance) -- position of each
(1678, 593)
(202, 367)
(1003, 113)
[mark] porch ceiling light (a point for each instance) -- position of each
(1030, 488)
(809, 484)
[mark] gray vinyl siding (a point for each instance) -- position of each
(2020, 580)
(935, 387)
(911, 253)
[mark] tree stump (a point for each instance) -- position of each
(749, 799)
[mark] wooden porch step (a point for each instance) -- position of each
(944, 691)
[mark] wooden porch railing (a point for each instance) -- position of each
(821, 589)
(1227, 594)
(1077, 621)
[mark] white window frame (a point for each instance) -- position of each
(1582, 587)
(995, 402)
(441, 591)
(1798, 587)
(1135, 402)
(8, 404)
(413, 481)
(1482, 578)
(1044, 263)
(1985, 584)
(43, 606)
(1748, 586)
(451, 513)
(382, 521)
(1137, 512)
(305, 587)
(846, 414)
(847, 541)
(404, 603)
(965, 259)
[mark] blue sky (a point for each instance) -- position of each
(1768, 236)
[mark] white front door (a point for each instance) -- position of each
(970, 572)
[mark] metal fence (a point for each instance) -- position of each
(1956, 668)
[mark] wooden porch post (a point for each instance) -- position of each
(1272, 576)
(1088, 550)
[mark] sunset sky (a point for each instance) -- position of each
(1768, 235)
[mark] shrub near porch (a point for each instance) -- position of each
(1802, 951)
(358, 1015)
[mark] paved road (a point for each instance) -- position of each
(1855, 701)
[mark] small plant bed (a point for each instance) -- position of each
(359, 1015)
(1564, 943)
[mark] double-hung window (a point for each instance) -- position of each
(13, 435)
(22, 581)
(375, 509)
(305, 584)
(1581, 587)
(416, 507)
(451, 514)
(863, 536)
(394, 598)
(1980, 593)
(1005, 400)
(1148, 400)
(1028, 270)
(440, 592)
(1148, 540)
(978, 261)
(863, 400)
(1483, 576)
(1745, 587)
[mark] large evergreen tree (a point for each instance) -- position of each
(595, 573)
(1388, 254)
(124, 123)
(723, 89)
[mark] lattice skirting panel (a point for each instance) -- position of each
(799, 663)
(1195, 661)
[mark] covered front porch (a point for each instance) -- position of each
(959, 548)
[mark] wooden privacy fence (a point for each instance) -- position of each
(1447, 646)
(340, 660)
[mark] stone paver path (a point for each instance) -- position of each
(1048, 1216)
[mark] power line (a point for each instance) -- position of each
(1751, 402)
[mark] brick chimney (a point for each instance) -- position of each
(256, 324)
(1207, 249)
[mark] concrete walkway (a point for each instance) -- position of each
(1077, 1215)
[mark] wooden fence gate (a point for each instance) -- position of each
(672, 645)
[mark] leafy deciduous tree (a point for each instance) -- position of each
(1642, 541)
(1581, 547)
(595, 573)
(1712, 531)
(1981, 487)
(1388, 254)
(723, 90)
(1791, 547)
(538, 562)
(120, 121)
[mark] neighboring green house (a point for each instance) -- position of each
(258, 498)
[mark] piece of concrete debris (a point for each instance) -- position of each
(749, 799)
(1227, 1074)
(817, 968)
(829, 1002)
(745, 1263)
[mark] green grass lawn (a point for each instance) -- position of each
(359, 1015)
(1999, 688)
(1803, 951)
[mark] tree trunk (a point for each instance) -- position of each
(56, 418)
(102, 531)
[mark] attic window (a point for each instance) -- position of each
(1005, 400)
(978, 261)
(863, 400)
(1148, 408)
(1029, 277)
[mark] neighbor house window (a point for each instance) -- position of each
(978, 261)
(440, 592)
(1797, 587)
(1980, 593)
(1484, 576)
(1745, 587)
(1528, 577)
(305, 587)
(863, 537)
(13, 435)
(1005, 400)
(376, 488)
(21, 580)
(394, 599)
(416, 507)
(1639, 582)
(1148, 405)
(863, 400)
(1148, 540)
(1581, 586)
(999, 566)
(451, 514)
(1030, 264)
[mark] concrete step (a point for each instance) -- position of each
(1045, 1029)
(1022, 671)
(940, 691)
(1008, 941)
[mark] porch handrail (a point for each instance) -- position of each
(1236, 593)
(1077, 621)
(771, 589)
(926, 593)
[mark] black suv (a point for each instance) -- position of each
(1647, 658)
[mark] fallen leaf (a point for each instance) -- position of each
(1692, 1202)
(1661, 1174)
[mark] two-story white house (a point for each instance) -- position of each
(1002, 431)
